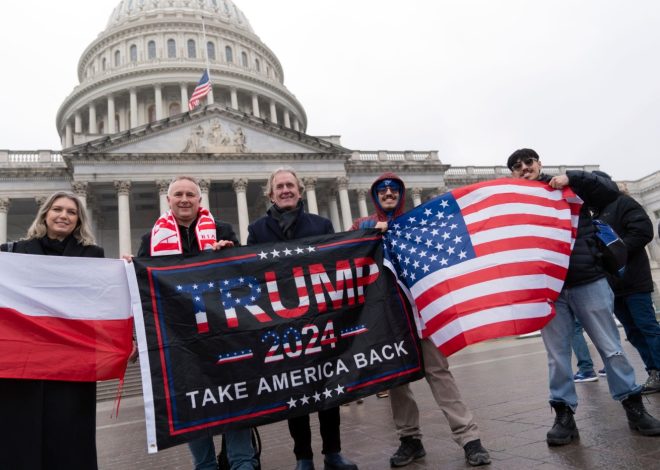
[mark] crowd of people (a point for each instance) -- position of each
(51, 424)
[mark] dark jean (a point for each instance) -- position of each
(636, 314)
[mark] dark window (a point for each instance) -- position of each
(210, 50)
(244, 59)
(133, 53)
(151, 49)
(229, 55)
(171, 48)
(117, 58)
(192, 50)
(257, 65)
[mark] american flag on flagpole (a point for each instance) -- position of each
(486, 260)
(201, 90)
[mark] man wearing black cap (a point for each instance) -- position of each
(388, 194)
(586, 295)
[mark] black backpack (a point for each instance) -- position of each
(613, 251)
(223, 462)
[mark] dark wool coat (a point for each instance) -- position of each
(48, 423)
(630, 221)
(266, 229)
(189, 245)
(596, 192)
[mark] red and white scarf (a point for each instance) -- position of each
(166, 239)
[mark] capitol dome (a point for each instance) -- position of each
(144, 66)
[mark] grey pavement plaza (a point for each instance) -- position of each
(503, 381)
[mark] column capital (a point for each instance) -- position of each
(240, 184)
(416, 192)
(123, 187)
(310, 183)
(362, 193)
(40, 200)
(5, 202)
(332, 192)
(163, 186)
(204, 185)
(80, 188)
(342, 183)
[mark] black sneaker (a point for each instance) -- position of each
(475, 454)
(410, 449)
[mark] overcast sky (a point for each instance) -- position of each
(579, 81)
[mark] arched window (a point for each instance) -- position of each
(268, 71)
(175, 108)
(229, 55)
(257, 65)
(151, 49)
(117, 58)
(103, 64)
(192, 50)
(210, 50)
(244, 59)
(151, 113)
(133, 53)
(171, 48)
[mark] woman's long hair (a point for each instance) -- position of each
(82, 232)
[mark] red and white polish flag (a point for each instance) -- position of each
(64, 318)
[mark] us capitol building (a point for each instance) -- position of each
(126, 132)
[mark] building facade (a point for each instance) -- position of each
(126, 131)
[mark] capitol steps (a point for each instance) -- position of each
(107, 390)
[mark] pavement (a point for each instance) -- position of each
(503, 381)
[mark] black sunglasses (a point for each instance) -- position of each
(519, 164)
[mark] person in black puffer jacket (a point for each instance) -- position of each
(632, 292)
(587, 296)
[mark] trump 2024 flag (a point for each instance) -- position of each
(64, 318)
(486, 260)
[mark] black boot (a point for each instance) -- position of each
(564, 430)
(638, 418)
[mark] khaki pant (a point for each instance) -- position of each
(446, 394)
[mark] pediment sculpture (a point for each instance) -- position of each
(213, 138)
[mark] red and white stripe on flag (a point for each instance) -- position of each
(521, 235)
(201, 90)
(64, 318)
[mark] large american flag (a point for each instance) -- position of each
(486, 260)
(201, 90)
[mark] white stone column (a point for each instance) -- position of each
(344, 201)
(234, 98)
(240, 187)
(184, 95)
(310, 191)
(205, 186)
(110, 128)
(77, 123)
(273, 112)
(92, 119)
(158, 98)
(79, 188)
(4, 209)
(163, 186)
(362, 202)
(334, 210)
(68, 135)
(255, 105)
(133, 108)
(124, 216)
(296, 124)
(416, 196)
(287, 119)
